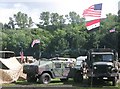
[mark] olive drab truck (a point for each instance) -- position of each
(47, 69)
(103, 65)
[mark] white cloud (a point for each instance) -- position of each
(17, 5)
(28, 0)
(79, 5)
(5, 13)
(35, 14)
(59, 6)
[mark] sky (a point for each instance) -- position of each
(33, 8)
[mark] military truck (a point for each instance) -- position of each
(46, 69)
(103, 65)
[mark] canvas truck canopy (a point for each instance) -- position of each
(10, 69)
(11, 63)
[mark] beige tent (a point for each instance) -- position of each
(10, 69)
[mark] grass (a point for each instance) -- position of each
(70, 83)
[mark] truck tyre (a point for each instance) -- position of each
(31, 78)
(78, 77)
(45, 78)
(90, 81)
(114, 81)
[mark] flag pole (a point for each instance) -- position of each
(37, 52)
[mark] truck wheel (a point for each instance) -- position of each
(114, 81)
(90, 81)
(45, 78)
(31, 78)
(78, 77)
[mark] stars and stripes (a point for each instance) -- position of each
(93, 11)
(22, 56)
(92, 16)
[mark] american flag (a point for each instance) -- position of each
(34, 42)
(22, 56)
(93, 11)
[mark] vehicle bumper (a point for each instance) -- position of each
(104, 76)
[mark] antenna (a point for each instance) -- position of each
(104, 46)
(97, 46)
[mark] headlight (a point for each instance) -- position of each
(109, 67)
(114, 70)
(95, 67)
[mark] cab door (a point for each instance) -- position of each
(65, 69)
(57, 69)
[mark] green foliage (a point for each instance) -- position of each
(30, 22)
(74, 18)
(11, 23)
(20, 19)
(109, 23)
(44, 17)
(3, 39)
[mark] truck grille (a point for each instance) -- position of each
(98, 69)
(30, 69)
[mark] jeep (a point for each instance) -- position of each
(46, 69)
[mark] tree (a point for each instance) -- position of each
(6, 26)
(54, 19)
(73, 18)
(44, 17)
(61, 21)
(110, 41)
(3, 40)
(11, 23)
(1, 26)
(30, 22)
(21, 19)
(109, 22)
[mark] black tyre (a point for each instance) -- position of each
(31, 78)
(114, 81)
(78, 77)
(90, 81)
(45, 78)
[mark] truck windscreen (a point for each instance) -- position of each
(102, 57)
